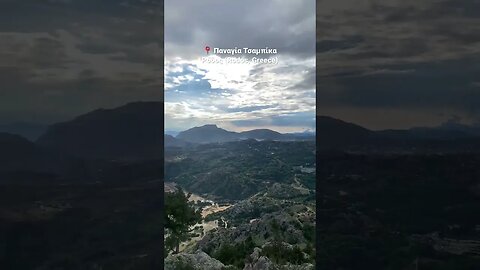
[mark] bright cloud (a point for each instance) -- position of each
(199, 92)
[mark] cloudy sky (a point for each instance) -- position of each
(240, 96)
(398, 64)
(381, 64)
(62, 58)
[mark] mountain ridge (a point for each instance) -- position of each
(135, 131)
(211, 133)
(131, 131)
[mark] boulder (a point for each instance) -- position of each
(195, 261)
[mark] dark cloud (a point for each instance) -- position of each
(46, 53)
(286, 25)
(95, 48)
(62, 58)
(342, 44)
(45, 102)
(380, 58)
(459, 8)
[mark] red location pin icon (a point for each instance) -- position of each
(207, 49)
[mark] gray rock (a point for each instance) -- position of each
(257, 262)
(262, 263)
(306, 266)
(194, 261)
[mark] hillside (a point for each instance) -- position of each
(22, 159)
(170, 141)
(267, 190)
(262, 134)
(131, 131)
(207, 134)
(87, 195)
(333, 133)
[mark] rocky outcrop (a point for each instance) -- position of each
(257, 262)
(197, 261)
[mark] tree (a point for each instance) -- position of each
(180, 216)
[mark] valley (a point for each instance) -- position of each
(88, 194)
(76, 199)
(206, 226)
(265, 197)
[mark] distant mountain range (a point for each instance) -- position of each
(18, 155)
(334, 133)
(330, 133)
(171, 141)
(214, 134)
(30, 131)
(135, 131)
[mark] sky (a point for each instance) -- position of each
(399, 64)
(246, 96)
(380, 64)
(63, 58)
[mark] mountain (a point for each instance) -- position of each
(20, 156)
(453, 125)
(172, 132)
(337, 134)
(306, 133)
(214, 134)
(424, 133)
(170, 141)
(16, 152)
(332, 132)
(27, 130)
(207, 134)
(131, 131)
(447, 131)
(262, 134)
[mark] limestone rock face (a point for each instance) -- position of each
(257, 262)
(195, 261)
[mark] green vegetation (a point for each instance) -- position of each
(180, 216)
(181, 265)
(238, 170)
(272, 198)
(398, 210)
(280, 254)
(81, 226)
(235, 254)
